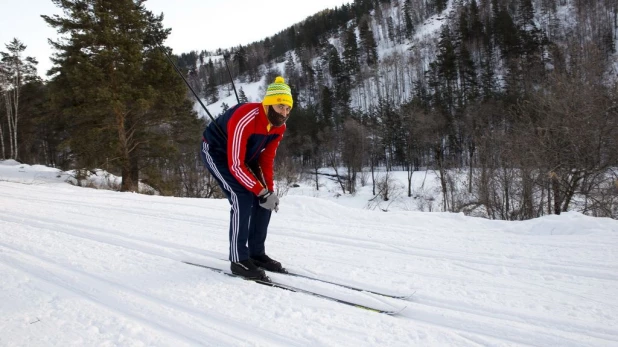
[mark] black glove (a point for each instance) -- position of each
(269, 201)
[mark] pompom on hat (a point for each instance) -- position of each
(278, 93)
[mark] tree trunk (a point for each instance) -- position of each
(410, 172)
(124, 151)
(2, 141)
(341, 184)
(571, 189)
(9, 115)
(373, 177)
(527, 208)
(555, 186)
(548, 198)
(349, 179)
(317, 179)
(472, 148)
(439, 156)
(507, 195)
(126, 184)
(14, 115)
(134, 173)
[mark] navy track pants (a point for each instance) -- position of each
(248, 220)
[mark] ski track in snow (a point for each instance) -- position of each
(86, 267)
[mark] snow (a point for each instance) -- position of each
(87, 267)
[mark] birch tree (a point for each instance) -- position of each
(15, 71)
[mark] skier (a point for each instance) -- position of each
(239, 150)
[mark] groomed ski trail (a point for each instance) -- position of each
(104, 266)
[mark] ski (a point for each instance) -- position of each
(293, 274)
(272, 284)
(401, 297)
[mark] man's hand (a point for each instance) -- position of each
(269, 200)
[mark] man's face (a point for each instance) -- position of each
(278, 114)
(282, 109)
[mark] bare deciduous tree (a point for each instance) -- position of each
(572, 126)
(14, 72)
(353, 151)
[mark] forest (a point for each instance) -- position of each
(511, 102)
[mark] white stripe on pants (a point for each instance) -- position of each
(234, 199)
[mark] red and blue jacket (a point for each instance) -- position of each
(245, 139)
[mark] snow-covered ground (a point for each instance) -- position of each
(87, 267)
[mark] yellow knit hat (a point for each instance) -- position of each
(278, 93)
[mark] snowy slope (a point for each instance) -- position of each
(89, 267)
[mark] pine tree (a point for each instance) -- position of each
(379, 16)
(368, 42)
(526, 13)
(121, 97)
(224, 108)
(467, 72)
(290, 67)
(609, 42)
(40, 133)
(407, 15)
(447, 57)
(391, 29)
(327, 108)
(549, 18)
(464, 26)
(362, 7)
(443, 76)
(495, 10)
(476, 25)
(242, 97)
(507, 33)
(488, 74)
(438, 5)
(211, 92)
(335, 66)
(351, 58)
(342, 87)
(240, 59)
